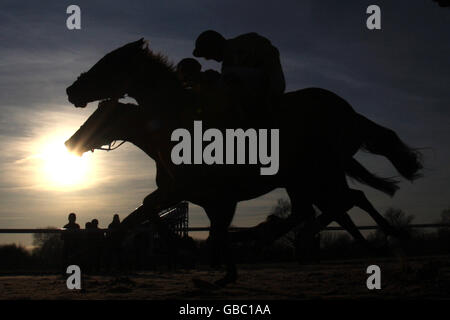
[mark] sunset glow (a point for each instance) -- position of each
(61, 169)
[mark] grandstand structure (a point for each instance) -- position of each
(177, 218)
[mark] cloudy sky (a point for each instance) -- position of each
(398, 76)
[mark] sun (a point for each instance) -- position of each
(62, 169)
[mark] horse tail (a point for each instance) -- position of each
(355, 170)
(383, 141)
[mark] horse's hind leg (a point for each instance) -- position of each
(347, 223)
(301, 211)
(361, 201)
(332, 199)
(274, 227)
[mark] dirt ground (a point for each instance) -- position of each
(415, 278)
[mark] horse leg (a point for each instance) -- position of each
(344, 219)
(301, 212)
(155, 202)
(358, 198)
(361, 201)
(275, 227)
(329, 191)
(347, 223)
(301, 209)
(220, 216)
(329, 214)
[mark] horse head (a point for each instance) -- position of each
(118, 73)
(110, 122)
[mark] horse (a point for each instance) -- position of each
(125, 122)
(122, 122)
(320, 158)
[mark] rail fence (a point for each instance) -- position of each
(178, 218)
(203, 229)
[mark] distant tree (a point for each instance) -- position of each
(397, 218)
(48, 248)
(14, 257)
(41, 239)
(445, 216)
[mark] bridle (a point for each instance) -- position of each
(111, 146)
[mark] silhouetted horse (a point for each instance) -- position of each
(319, 133)
(123, 122)
(118, 121)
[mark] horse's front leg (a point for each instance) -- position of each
(221, 216)
(155, 202)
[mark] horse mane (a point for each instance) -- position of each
(158, 58)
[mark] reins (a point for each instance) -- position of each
(111, 146)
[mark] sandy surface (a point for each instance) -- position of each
(425, 277)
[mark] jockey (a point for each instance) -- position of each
(190, 74)
(204, 84)
(250, 66)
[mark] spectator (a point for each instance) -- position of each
(114, 238)
(70, 238)
(95, 239)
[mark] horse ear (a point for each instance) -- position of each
(145, 44)
(142, 43)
